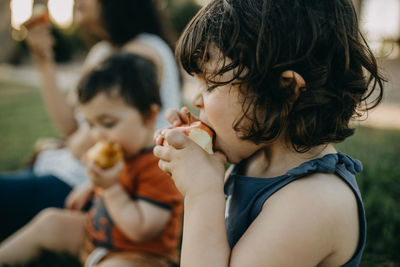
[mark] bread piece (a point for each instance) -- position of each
(105, 154)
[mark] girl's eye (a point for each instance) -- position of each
(108, 124)
(209, 89)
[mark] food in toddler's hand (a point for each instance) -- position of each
(200, 133)
(105, 154)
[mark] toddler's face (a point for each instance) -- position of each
(220, 109)
(111, 119)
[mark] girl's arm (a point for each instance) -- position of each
(204, 234)
(200, 178)
(139, 220)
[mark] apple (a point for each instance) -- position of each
(200, 133)
(105, 154)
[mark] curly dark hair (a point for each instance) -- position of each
(134, 77)
(320, 40)
(125, 19)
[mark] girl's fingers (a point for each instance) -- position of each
(184, 113)
(162, 153)
(159, 140)
(221, 157)
(177, 118)
(159, 137)
(173, 117)
(177, 139)
(164, 166)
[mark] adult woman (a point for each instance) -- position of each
(130, 25)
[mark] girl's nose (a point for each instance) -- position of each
(197, 100)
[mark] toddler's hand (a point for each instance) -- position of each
(193, 170)
(104, 178)
(78, 198)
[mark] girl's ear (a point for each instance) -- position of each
(288, 77)
(151, 115)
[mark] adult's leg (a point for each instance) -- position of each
(53, 229)
(23, 195)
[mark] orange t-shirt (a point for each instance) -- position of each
(144, 180)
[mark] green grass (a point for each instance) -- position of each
(379, 151)
(23, 119)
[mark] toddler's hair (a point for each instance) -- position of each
(260, 39)
(133, 76)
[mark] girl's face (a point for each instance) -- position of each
(111, 119)
(219, 109)
(87, 12)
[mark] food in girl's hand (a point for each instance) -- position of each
(105, 154)
(200, 133)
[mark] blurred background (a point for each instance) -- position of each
(23, 118)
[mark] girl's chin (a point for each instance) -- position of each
(233, 160)
(229, 158)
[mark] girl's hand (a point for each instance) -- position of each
(176, 118)
(193, 170)
(40, 42)
(104, 178)
(78, 198)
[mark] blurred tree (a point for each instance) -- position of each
(181, 12)
(7, 43)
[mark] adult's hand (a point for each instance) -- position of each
(40, 41)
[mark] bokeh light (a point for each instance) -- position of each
(380, 22)
(21, 11)
(61, 12)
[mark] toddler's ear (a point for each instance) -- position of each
(151, 115)
(288, 77)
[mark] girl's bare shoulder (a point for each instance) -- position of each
(323, 208)
(314, 220)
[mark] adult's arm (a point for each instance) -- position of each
(61, 112)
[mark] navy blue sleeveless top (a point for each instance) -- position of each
(246, 195)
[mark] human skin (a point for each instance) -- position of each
(60, 108)
(283, 227)
(110, 118)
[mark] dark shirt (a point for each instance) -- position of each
(246, 195)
